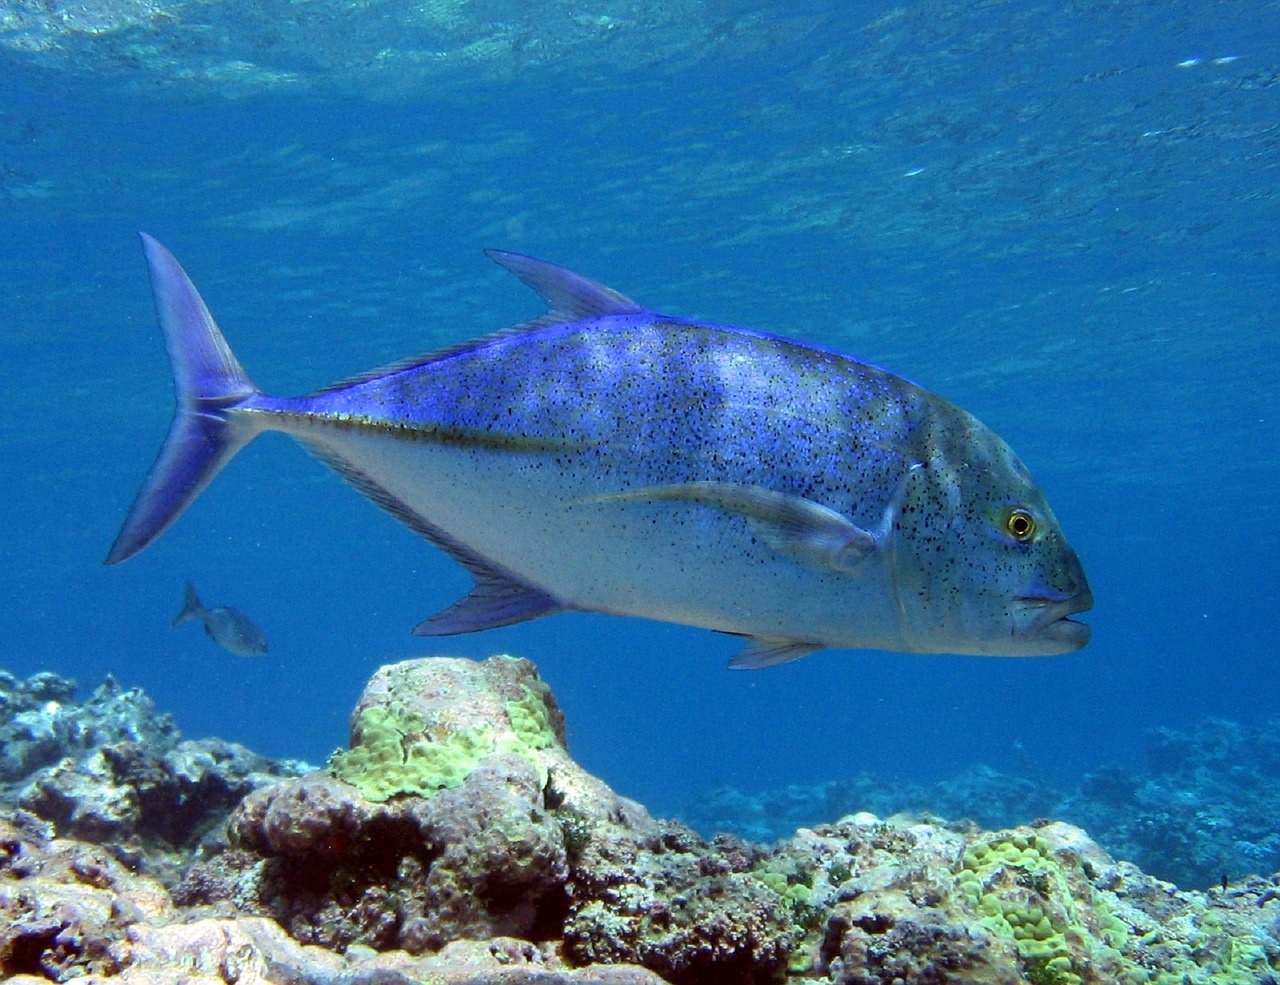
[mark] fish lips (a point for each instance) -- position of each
(1046, 620)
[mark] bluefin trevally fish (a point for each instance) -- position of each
(607, 458)
(230, 628)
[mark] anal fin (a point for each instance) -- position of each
(499, 597)
(496, 601)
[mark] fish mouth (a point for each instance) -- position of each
(1047, 619)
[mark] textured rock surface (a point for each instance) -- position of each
(116, 772)
(40, 722)
(493, 855)
(1205, 805)
(71, 911)
(66, 906)
(464, 845)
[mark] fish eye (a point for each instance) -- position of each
(1020, 525)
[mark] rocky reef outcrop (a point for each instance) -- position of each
(1202, 808)
(457, 841)
(116, 772)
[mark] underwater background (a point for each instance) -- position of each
(1063, 217)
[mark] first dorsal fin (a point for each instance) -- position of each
(569, 296)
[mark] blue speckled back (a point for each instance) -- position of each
(640, 399)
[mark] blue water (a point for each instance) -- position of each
(1063, 217)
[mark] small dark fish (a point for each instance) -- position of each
(230, 628)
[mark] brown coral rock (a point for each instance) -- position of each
(65, 905)
(489, 857)
(70, 911)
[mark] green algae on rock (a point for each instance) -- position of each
(393, 753)
(1059, 898)
(415, 734)
(1024, 892)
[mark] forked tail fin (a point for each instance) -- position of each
(192, 607)
(209, 384)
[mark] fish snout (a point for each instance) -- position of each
(1047, 619)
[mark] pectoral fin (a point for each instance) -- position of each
(792, 525)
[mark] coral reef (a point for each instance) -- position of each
(412, 734)
(456, 841)
(40, 723)
(69, 910)
(116, 772)
(1204, 809)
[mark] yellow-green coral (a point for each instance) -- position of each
(1207, 954)
(795, 892)
(529, 718)
(396, 752)
(1022, 892)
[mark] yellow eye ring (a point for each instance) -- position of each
(1020, 525)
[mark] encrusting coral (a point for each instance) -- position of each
(457, 841)
(395, 749)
